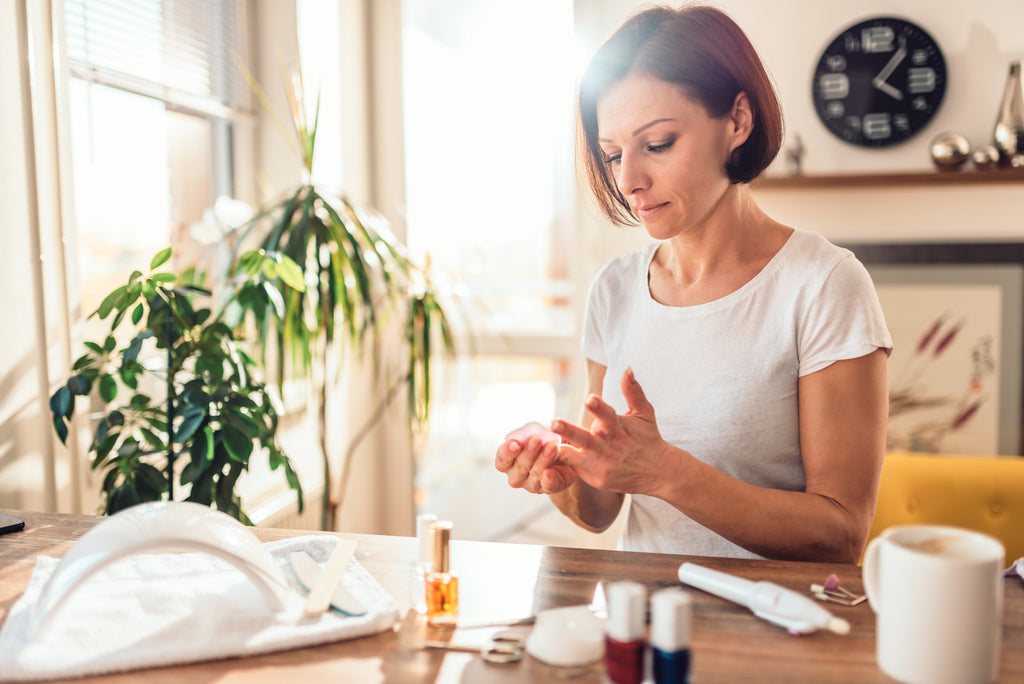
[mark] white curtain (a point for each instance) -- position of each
(36, 472)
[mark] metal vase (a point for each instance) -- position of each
(1009, 132)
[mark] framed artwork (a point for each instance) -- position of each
(956, 314)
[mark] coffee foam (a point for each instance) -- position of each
(944, 545)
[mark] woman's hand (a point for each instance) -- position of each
(620, 453)
(529, 457)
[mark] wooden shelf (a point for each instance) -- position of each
(840, 181)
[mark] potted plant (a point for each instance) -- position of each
(214, 415)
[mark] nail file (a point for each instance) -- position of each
(324, 584)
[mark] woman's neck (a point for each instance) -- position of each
(721, 255)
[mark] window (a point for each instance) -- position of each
(488, 102)
(153, 97)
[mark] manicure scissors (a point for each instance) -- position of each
(505, 647)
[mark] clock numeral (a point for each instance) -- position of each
(835, 63)
(834, 86)
(877, 126)
(921, 80)
(835, 109)
(901, 122)
(919, 57)
(877, 38)
(919, 103)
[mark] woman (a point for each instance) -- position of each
(737, 366)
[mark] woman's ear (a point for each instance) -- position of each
(741, 118)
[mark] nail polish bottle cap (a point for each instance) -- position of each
(442, 534)
(627, 611)
(671, 615)
(425, 549)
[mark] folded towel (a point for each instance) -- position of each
(153, 610)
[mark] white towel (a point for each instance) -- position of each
(153, 610)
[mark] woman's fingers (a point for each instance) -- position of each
(524, 463)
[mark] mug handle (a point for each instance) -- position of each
(869, 573)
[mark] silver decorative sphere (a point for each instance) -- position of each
(950, 151)
(985, 158)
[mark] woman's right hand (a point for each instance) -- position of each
(531, 462)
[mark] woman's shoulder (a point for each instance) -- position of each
(627, 267)
(814, 256)
(808, 245)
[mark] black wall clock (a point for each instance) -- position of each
(879, 82)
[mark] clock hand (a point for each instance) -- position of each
(889, 90)
(887, 70)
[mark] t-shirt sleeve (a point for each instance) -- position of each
(594, 317)
(844, 320)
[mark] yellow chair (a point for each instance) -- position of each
(983, 493)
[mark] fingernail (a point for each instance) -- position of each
(513, 447)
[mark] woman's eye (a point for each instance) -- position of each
(660, 147)
(612, 158)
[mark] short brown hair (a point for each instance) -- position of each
(699, 48)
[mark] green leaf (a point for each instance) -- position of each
(108, 388)
(110, 479)
(160, 259)
(80, 384)
(122, 497)
(128, 378)
(246, 425)
(108, 303)
(165, 277)
(60, 402)
(137, 313)
(109, 344)
(202, 446)
(291, 273)
(239, 446)
(189, 473)
(193, 419)
(270, 269)
(61, 428)
(152, 439)
(149, 478)
(101, 434)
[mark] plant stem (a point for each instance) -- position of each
(170, 410)
(327, 516)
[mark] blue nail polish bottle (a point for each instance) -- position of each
(671, 615)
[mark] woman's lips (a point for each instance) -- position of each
(649, 210)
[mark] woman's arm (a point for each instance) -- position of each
(843, 415)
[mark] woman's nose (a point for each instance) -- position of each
(632, 176)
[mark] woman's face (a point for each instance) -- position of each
(665, 152)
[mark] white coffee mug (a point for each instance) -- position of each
(937, 593)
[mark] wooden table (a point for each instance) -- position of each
(508, 581)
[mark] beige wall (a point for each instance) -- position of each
(978, 40)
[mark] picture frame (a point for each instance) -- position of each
(956, 313)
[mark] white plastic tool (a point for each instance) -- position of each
(797, 613)
(325, 583)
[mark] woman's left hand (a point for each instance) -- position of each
(620, 453)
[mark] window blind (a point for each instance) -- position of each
(178, 51)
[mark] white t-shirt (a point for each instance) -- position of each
(722, 376)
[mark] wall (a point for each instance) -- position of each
(978, 40)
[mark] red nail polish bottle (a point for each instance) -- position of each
(624, 632)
